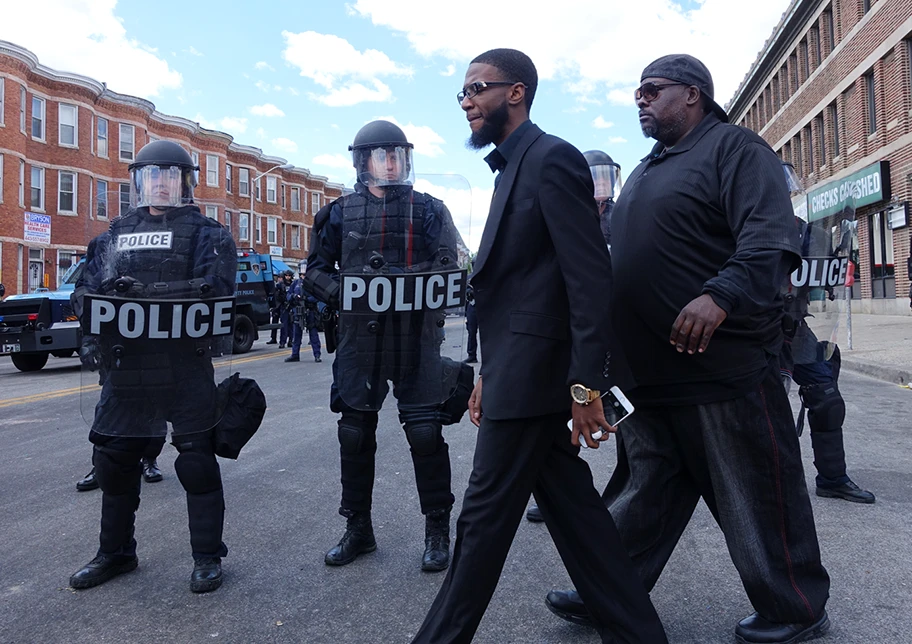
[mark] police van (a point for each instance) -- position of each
(255, 297)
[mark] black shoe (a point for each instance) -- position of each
(293, 359)
(568, 605)
(357, 540)
(101, 569)
(282, 345)
(436, 541)
(151, 473)
(273, 341)
(848, 491)
(756, 630)
(88, 482)
(206, 575)
(534, 514)
(471, 360)
(318, 359)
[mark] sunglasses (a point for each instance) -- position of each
(650, 91)
(471, 91)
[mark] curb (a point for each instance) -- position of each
(890, 374)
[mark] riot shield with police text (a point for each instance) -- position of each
(156, 307)
(403, 269)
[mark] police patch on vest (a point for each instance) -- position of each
(114, 317)
(392, 293)
(144, 241)
(821, 271)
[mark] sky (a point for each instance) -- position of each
(298, 79)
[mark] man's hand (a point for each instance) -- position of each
(475, 404)
(588, 419)
(695, 325)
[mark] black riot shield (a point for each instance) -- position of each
(402, 268)
(156, 306)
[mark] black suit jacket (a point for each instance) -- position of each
(542, 281)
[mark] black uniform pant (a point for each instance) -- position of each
(118, 469)
(472, 327)
(815, 378)
(742, 457)
(513, 458)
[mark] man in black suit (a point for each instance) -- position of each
(542, 280)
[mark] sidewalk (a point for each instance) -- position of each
(881, 344)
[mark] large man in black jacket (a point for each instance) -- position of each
(542, 279)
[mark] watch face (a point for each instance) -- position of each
(579, 394)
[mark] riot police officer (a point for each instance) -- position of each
(285, 313)
(606, 177)
(162, 249)
(305, 310)
(386, 228)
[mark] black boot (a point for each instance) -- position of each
(357, 540)
(848, 491)
(206, 575)
(534, 514)
(88, 482)
(101, 569)
(151, 473)
(568, 605)
(436, 541)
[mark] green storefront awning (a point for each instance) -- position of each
(869, 185)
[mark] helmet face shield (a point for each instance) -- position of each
(792, 180)
(607, 181)
(160, 186)
(384, 166)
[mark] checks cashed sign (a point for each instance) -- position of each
(869, 185)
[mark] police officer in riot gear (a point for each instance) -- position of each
(162, 249)
(814, 365)
(385, 226)
(305, 310)
(606, 177)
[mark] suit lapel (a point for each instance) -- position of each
(501, 195)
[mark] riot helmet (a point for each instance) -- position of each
(162, 176)
(796, 190)
(382, 155)
(606, 175)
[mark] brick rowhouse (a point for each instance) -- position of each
(831, 92)
(65, 144)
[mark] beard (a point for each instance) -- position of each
(668, 132)
(490, 130)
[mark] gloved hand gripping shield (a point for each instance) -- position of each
(156, 306)
(403, 267)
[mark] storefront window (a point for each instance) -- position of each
(883, 280)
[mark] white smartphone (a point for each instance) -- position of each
(617, 407)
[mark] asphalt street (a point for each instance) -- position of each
(282, 498)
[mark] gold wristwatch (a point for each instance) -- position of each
(582, 394)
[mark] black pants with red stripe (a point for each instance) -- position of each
(742, 457)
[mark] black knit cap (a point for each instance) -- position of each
(685, 69)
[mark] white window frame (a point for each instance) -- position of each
(244, 226)
(315, 202)
(295, 237)
(126, 127)
(37, 100)
(23, 99)
(228, 178)
(60, 174)
(120, 201)
(99, 137)
(196, 164)
(259, 194)
(244, 182)
(212, 212)
(212, 170)
(61, 270)
(283, 197)
(228, 220)
(295, 198)
(21, 183)
(61, 109)
(272, 231)
(272, 185)
(259, 229)
(42, 198)
(99, 199)
(2, 100)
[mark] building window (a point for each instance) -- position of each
(66, 192)
(67, 130)
(283, 196)
(834, 119)
(101, 209)
(797, 159)
(1, 178)
(22, 183)
(2, 98)
(271, 226)
(212, 212)
(818, 49)
(866, 5)
(872, 102)
(102, 137)
(810, 149)
(65, 261)
(259, 230)
(124, 199)
(270, 189)
(38, 118)
(805, 59)
(37, 202)
(777, 98)
(821, 138)
(227, 178)
(296, 237)
(196, 164)
(831, 30)
(126, 142)
(212, 162)
(228, 220)
(295, 199)
(883, 270)
(258, 189)
(244, 182)
(22, 108)
(315, 202)
(244, 226)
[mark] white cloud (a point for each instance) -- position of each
(617, 139)
(426, 140)
(87, 38)
(264, 65)
(622, 97)
(229, 124)
(468, 206)
(337, 160)
(277, 88)
(349, 76)
(194, 51)
(262, 86)
(266, 109)
(449, 71)
(572, 43)
(261, 133)
(601, 124)
(285, 145)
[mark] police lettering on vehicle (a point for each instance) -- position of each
(391, 293)
(158, 319)
(821, 271)
(144, 241)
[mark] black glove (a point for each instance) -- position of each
(90, 353)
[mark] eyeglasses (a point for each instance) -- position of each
(470, 91)
(650, 91)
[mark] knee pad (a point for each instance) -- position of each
(424, 438)
(198, 471)
(354, 427)
(825, 405)
(117, 472)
